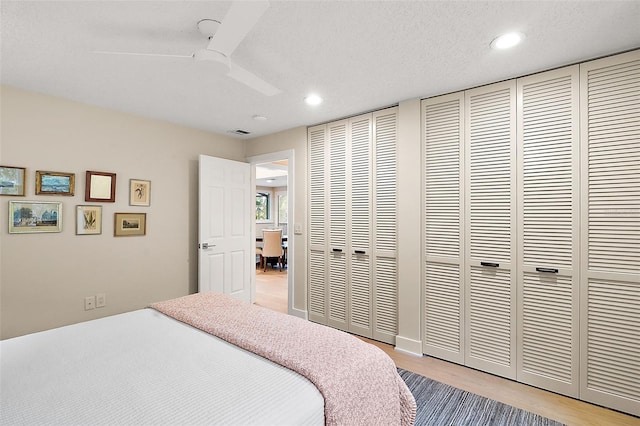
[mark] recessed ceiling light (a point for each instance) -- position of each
(313, 99)
(507, 40)
(260, 118)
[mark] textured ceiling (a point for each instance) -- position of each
(359, 55)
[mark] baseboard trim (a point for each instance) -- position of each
(299, 313)
(409, 346)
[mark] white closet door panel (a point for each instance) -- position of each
(337, 315)
(442, 140)
(360, 129)
(612, 344)
(610, 300)
(316, 137)
(317, 266)
(490, 321)
(548, 229)
(490, 133)
(360, 297)
(360, 279)
(317, 286)
(385, 306)
(385, 130)
(443, 311)
(614, 168)
(337, 135)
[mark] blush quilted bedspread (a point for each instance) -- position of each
(359, 382)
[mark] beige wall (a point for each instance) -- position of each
(296, 140)
(44, 278)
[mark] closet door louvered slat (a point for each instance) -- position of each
(338, 304)
(442, 126)
(385, 296)
(610, 291)
(360, 294)
(490, 229)
(317, 229)
(548, 228)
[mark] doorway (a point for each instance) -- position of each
(272, 181)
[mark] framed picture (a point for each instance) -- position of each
(26, 217)
(12, 180)
(88, 220)
(55, 183)
(130, 224)
(100, 186)
(139, 192)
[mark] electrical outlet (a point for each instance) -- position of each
(101, 300)
(89, 303)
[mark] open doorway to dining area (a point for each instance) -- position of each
(272, 245)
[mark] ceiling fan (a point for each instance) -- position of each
(224, 37)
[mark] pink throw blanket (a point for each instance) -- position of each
(359, 382)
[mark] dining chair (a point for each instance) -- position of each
(272, 246)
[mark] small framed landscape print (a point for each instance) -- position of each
(100, 187)
(26, 217)
(55, 183)
(12, 180)
(88, 220)
(139, 192)
(130, 224)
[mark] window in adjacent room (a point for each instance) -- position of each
(263, 206)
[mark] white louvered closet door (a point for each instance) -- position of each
(442, 140)
(490, 326)
(317, 269)
(360, 292)
(338, 278)
(385, 269)
(610, 282)
(548, 230)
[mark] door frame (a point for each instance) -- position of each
(267, 158)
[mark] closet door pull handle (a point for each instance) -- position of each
(337, 250)
(552, 270)
(493, 265)
(359, 252)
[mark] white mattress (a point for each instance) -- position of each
(143, 367)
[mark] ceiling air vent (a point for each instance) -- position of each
(240, 132)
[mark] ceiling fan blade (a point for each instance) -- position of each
(251, 80)
(107, 52)
(238, 22)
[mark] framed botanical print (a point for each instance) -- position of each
(139, 192)
(88, 220)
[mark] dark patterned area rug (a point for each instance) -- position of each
(443, 405)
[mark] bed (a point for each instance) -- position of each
(201, 359)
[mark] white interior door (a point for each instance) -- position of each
(224, 231)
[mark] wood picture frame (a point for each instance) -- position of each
(29, 217)
(12, 180)
(55, 183)
(100, 187)
(129, 224)
(139, 192)
(88, 220)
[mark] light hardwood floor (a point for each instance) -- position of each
(271, 292)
